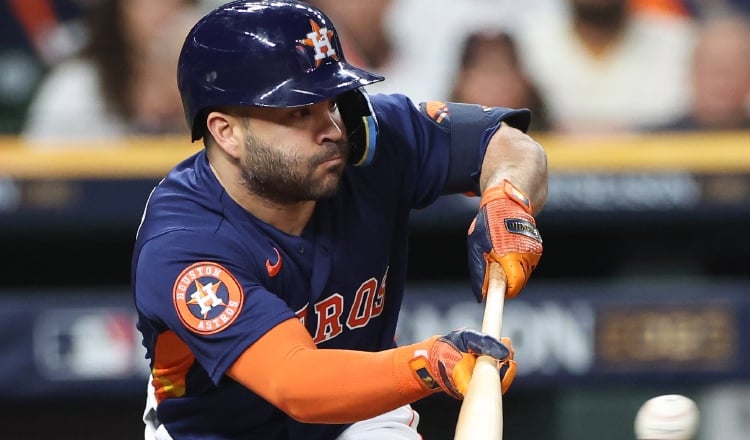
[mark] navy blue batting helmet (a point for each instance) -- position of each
(272, 53)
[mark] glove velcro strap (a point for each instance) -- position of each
(440, 366)
(417, 357)
(422, 369)
(509, 191)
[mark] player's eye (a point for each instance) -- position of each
(300, 112)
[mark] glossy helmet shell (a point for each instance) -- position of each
(268, 53)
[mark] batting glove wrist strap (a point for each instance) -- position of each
(503, 231)
(447, 362)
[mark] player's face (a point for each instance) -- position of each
(296, 154)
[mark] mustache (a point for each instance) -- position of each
(334, 149)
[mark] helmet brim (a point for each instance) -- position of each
(327, 81)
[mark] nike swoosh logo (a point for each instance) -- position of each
(273, 269)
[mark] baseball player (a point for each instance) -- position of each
(269, 268)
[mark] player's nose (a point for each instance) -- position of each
(328, 121)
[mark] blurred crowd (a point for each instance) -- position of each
(93, 69)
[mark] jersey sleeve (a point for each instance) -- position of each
(471, 126)
(191, 286)
(446, 141)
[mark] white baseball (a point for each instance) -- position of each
(667, 417)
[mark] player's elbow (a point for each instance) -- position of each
(299, 412)
(297, 396)
(293, 403)
(308, 400)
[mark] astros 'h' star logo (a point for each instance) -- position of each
(207, 298)
(320, 40)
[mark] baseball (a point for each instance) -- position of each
(667, 417)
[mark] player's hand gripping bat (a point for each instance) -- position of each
(505, 232)
(481, 414)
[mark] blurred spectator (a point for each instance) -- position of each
(124, 81)
(490, 74)
(35, 35)
(415, 43)
(720, 77)
(370, 40)
(362, 30)
(606, 68)
(679, 8)
(704, 8)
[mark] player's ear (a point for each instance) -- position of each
(227, 132)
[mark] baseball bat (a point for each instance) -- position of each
(481, 413)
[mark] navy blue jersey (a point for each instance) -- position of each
(209, 278)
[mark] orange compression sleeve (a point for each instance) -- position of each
(327, 385)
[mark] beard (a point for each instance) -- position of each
(284, 175)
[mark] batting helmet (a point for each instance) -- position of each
(273, 53)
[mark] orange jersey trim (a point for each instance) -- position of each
(172, 361)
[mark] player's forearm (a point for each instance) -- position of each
(344, 386)
(515, 156)
(329, 386)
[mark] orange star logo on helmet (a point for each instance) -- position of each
(320, 40)
(207, 297)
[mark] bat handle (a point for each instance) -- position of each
(481, 414)
(492, 322)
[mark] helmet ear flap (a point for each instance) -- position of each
(361, 125)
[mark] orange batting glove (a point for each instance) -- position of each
(448, 361)
(504, 232)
